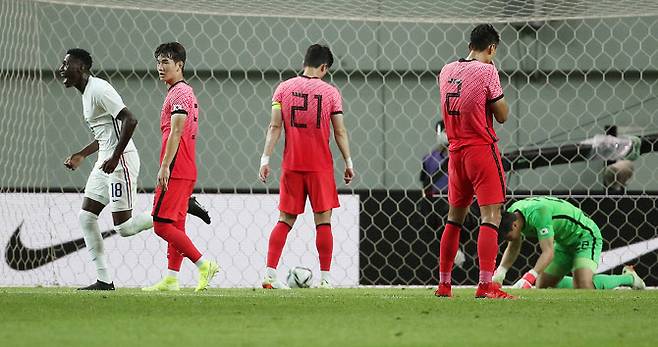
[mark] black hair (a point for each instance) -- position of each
(483, 36)
(317, 55)
(506, 222)
(171, 50)
(82, 56)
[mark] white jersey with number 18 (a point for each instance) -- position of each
(101, 105)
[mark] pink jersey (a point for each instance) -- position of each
(181, 100)
(467, 88)
(307, 105)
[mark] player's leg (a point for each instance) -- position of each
(323, 196)
(324, 243)
(95, 200)
(292, 198)
(174, 262)
(484, 169)
(169, 207)
(586, 257)
(275, 245)
(122, 192)
(460, 197)
(601, 281)
(583, 278)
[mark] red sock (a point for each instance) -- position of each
(487, 251)
(448, 251)
(277, 241)
(177, 239)
(174, 258)
(324, 242)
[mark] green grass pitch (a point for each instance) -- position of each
(316, 317)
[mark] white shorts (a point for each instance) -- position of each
(117, 189)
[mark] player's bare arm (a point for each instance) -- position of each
(271, 139)
(511, 253)
(340, 135)
(546, 256)
(128, 125)
(500, 110)
(74, 160)
(509, 257)
(177, 127)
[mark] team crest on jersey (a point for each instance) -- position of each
(543, 231)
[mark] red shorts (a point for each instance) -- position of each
(171, 206)
(296, 185)
(476, 170)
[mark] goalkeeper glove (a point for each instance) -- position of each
(499, 275)
(527, 281)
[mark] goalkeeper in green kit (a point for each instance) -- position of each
(570, 243)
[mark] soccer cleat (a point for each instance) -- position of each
(99, 285)
(273, 283)
(638, 283)
(324, 284)
(207, 271)
(196, 209)
(490, 291)
(444, 290)
(167, 284)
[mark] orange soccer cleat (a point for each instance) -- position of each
(491, 291)
(444, 290)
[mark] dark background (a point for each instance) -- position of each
(401, 229)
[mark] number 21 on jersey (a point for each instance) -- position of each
(303, 108)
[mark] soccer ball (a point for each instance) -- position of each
(299, 277)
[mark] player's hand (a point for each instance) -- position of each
(527, 281)
(264, 173)
(163, 177)
(349, 175)
(74, 161)
(110, 164)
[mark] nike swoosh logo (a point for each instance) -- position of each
(19, 257)
(622, 255)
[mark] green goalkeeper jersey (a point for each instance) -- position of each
(547, 217)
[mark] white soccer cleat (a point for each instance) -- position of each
(273, 283)
(638, 283)
(324, 284)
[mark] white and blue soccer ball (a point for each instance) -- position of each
(300, 277)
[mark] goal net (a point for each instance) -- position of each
(572, 71)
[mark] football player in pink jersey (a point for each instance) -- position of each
(177, 175)
(471, 98)
(306, 106)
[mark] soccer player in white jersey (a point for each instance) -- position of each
(113, 179)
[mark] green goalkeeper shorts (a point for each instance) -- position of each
(584, 255)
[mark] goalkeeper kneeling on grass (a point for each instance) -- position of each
(570, 243)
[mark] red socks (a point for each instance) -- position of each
(448, 251)
(174, 258)
(177, 238)
(324, 242)
(277, 241)
(487, 251)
